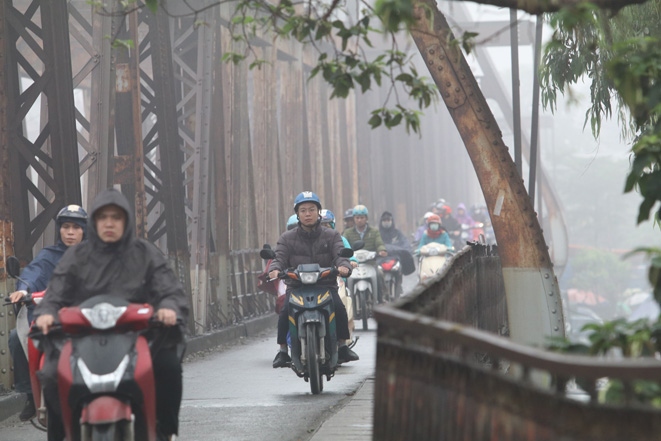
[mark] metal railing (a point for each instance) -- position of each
(447, 380)
(243, 300)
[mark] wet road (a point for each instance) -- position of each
(234, 394)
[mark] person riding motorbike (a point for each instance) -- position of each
(372, 238)
(451, 225)
(115, 262)
(348, 220)
(390, 234)
(328, 221)
(71, 227)
(309, 242)
(421, 229)
(435, 232)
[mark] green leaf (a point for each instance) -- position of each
(152, 5)
(374, 121)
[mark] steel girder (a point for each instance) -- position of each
(39, 76)
(193, 49)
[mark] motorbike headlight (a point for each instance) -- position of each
(396, 266)
(103, 315)
(309, 278)
(432, 252)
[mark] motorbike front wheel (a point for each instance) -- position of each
(101, 432)
(312, 343)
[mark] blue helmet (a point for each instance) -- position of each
(307, 196)
(292, 222)
(360, 210)
(327, 217)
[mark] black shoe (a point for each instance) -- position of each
(282, 359)
(28, 411)
(345, 355)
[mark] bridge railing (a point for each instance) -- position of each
(243, 300)
(447, 380)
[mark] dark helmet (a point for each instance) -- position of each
(72, 213)
(348, 214)
(75, 214)
(307, 196)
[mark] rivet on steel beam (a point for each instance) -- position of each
(456, 89)
(547, 275)
(431, 51)
(553, 311)
(4, 371)
(448, 84)
(555, 328)
(431, 62)
(2, 332)
(3, 352)
(456, 100)
(440, 68)
(551, 294)
(447, 95)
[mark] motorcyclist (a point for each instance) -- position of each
(309, 242)
(71, 227)
(372, 238)
(462, 215)
(328, 221)
(435, 233)
(348, 220)
(396, 245)
(423, 226)
(390, 234)
(450, 224)
(115, 262)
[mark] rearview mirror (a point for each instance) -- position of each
(346, 252)
(267, 253)
(358, 245)
(13, 267)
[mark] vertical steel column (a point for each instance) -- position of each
(93, 74)
(45, 60)
(165, 136)
(6, 235)
(193, 58)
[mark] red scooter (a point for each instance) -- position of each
(105, 377)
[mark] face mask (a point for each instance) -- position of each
(434, 227)
(386, 224)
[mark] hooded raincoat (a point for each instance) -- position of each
(131, 268)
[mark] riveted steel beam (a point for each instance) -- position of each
(43, 166)
(533, 296)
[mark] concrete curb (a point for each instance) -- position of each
(12, 404)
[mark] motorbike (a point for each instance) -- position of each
(311, 321)
(104, 374)
(391, 269)
(22, 331)
(363, 285)
(432, 258)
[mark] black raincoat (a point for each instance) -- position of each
(131, 268)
